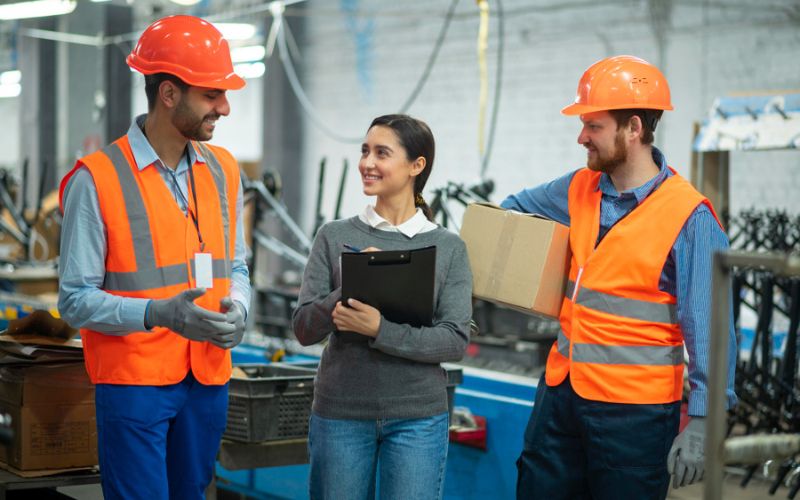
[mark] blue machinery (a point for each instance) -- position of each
(504, 400)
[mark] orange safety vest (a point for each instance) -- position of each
(620, 341)
(150, 254)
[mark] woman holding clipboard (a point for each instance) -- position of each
(380, 399)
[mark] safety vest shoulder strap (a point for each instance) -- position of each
(225, 173)
(584, 212)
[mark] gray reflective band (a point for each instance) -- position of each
(159, 277)
(629, 308)
(218, 268)
(138, 219)
(621, 306)
(563, 343)
(146, 279)
(628, 354)
(570, 289)
(219, 179)
(221, 268)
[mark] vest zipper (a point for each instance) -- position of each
(577, 285)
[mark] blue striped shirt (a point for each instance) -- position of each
(686, 273)
(81, 300)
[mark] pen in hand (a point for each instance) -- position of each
(351, 247)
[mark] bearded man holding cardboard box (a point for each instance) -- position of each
(641, 238)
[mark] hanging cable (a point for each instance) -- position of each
(483, 74)
(279, 38)
(498, 84)
(423, 79)
(294, 83)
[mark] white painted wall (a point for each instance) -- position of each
(709, 49)
(9, 137)
(743, 48)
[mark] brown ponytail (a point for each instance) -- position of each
(420, 202)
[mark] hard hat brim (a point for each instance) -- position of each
(231, 81)
(582, 109)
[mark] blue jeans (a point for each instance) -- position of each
(406, 455)
(159, 442)
(575, 448)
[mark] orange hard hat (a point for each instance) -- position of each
(188, 47)
(620, 82)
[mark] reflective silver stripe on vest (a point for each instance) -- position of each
(628, 354)
(570, 290)
(146, 279)
(563, 343)
(158, 277)
(629, 308)
(219, 179)
(218, 269)
(622, 306)
(138, 220)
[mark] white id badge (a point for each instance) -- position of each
(204, 277)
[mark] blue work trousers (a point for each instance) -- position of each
(407, 456)
(575, 448)
(159, 442)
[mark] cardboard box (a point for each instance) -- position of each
(518, 260)
(52, 416)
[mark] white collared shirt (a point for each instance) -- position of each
(417, 224)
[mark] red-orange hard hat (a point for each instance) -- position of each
(620, 82)
(188, 47)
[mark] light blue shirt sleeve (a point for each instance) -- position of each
(692, 252)
(240, 274)
(81, 267)
(549, 200)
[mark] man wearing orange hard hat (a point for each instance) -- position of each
(152, 269)
(605, 423)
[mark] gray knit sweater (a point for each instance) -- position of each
(396, 374)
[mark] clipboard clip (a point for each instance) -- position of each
(388, 258)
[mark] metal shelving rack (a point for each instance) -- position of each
(747, 449)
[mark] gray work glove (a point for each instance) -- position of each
(234, 315)
(181, 315)
(685, 461)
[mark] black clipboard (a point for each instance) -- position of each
(399, 283)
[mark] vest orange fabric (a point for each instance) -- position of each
(620, 341)
(150, 254)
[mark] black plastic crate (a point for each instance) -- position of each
(273, 403)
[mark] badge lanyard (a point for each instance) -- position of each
(204, 274)
(196, 213)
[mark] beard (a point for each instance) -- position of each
(609, 163)
(189, 124)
